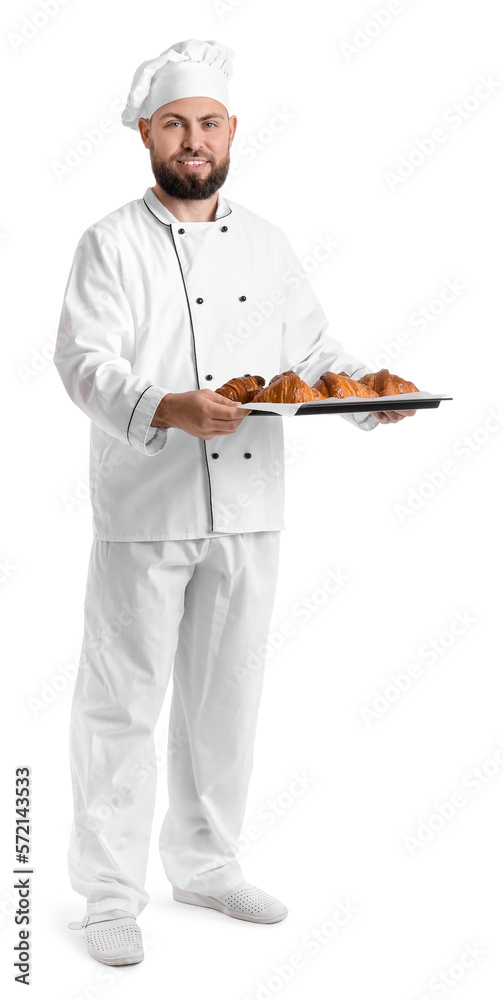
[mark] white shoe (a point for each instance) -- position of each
(113, 940)
(245, 901)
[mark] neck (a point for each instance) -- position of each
(188, 211)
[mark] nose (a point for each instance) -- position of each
(191, 140)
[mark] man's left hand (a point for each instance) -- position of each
(391, 416)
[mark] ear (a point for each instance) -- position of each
(144, 129)
(232, 128)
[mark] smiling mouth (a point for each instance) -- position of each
(193, 164)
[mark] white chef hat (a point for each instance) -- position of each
(192, 68)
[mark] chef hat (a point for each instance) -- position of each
(187, 69)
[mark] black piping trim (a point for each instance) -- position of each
(134, 408)
(195, 362)
(170, 223)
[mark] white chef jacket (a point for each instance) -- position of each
(154, 305)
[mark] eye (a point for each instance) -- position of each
(169, 124)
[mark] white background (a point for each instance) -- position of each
(414, 562)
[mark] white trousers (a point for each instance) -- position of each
(204, 607)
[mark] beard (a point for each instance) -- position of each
(191, 187)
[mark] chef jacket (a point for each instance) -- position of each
(154, 305)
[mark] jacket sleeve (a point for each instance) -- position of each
(307, 348)
(94, 342)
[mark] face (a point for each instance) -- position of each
(189, 142)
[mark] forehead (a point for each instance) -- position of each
(191, 107)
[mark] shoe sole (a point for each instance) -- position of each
(118, 961)
(197, 899)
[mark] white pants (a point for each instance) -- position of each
(203, 605)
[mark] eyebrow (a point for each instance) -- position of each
(171, 114)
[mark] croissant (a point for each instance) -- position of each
(332, 385)
(287, 388)
(387, 385)
(242, 390)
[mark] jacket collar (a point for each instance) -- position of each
(164, 215)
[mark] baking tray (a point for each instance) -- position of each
(350, 404)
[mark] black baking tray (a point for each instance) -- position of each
(358, 405)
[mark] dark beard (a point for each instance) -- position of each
(191, 187)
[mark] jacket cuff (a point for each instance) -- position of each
(141, 436)
(365, 420)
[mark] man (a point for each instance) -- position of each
(169, 295)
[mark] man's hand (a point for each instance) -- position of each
(391, 416)
(200, 412)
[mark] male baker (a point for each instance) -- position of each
(168, 297)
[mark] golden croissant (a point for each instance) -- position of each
(332, 385)
(386, 384)
(242, 390)
(287, 388)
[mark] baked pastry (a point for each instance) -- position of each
(242, 390)
(331, 385)
(287, 388)
(386, 384)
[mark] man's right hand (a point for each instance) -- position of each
(200, 412)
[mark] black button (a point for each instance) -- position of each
(214, 454)
(242, 298)
(199, 300)
(209, 377)
(223, 229)
(247, 454)
(181, 231)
